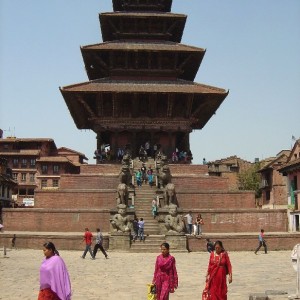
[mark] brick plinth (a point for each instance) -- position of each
(34, 240)
(245, 241)
(59, 220)
(242, 220)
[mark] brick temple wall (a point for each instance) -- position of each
(74, 220)
(98, 199)
(89, 181)
(200, 183)
(55, 220)
(215, 200)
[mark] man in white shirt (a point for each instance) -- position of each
(189, 220)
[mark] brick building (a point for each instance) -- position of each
(229, 168)
(291, 171)
(37, 163)
(7, 184)
(273, 184)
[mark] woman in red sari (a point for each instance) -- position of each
(219, 266)
(165, 275)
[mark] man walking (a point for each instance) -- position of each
(261, 242)
(87, 238)
(99, 244)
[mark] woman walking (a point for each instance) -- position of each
(54, 277)
(218, 267)
(165, 275)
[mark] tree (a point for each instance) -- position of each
(249, 179)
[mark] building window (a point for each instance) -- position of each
(44, 169)
(15, 176)
(31, 177)
(55, 169)
(44, 183)
(24, 163)
(15, 162)
(23, 176)
(32, 162)
(30, 192)
(22, 192)
(55, 183)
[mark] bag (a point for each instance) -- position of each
(151, 291)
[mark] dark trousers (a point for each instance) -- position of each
(190, 228)
(99, 246)
(263, 243)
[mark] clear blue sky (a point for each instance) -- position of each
(253, 49)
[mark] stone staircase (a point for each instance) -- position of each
(142, 205)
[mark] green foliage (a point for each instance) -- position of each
(249, 179)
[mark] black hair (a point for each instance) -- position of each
(220, 244)
(51, 246)
(166, 245)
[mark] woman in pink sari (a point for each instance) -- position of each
(165, 275)
(54, 277)
(219, 266)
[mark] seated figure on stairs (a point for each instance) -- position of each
(173, 221)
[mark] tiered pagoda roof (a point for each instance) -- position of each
(141, 76)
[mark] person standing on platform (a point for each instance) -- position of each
(261, 242)
(189, 220)
(87, 238)
(199, 223)
(99, 244)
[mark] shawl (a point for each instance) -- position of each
(54, 275)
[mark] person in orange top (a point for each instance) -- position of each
(87, 238)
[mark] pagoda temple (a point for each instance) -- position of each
(141, 80)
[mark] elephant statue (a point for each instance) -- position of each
(122, 194)
(169, 194)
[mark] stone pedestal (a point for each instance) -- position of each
(177, 242)
(119, 242)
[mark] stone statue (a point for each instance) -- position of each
(173, 221)
(169, 194)
(125, 175)
(164, 176)
(122, 194)
(126, 159)
(120, 222)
